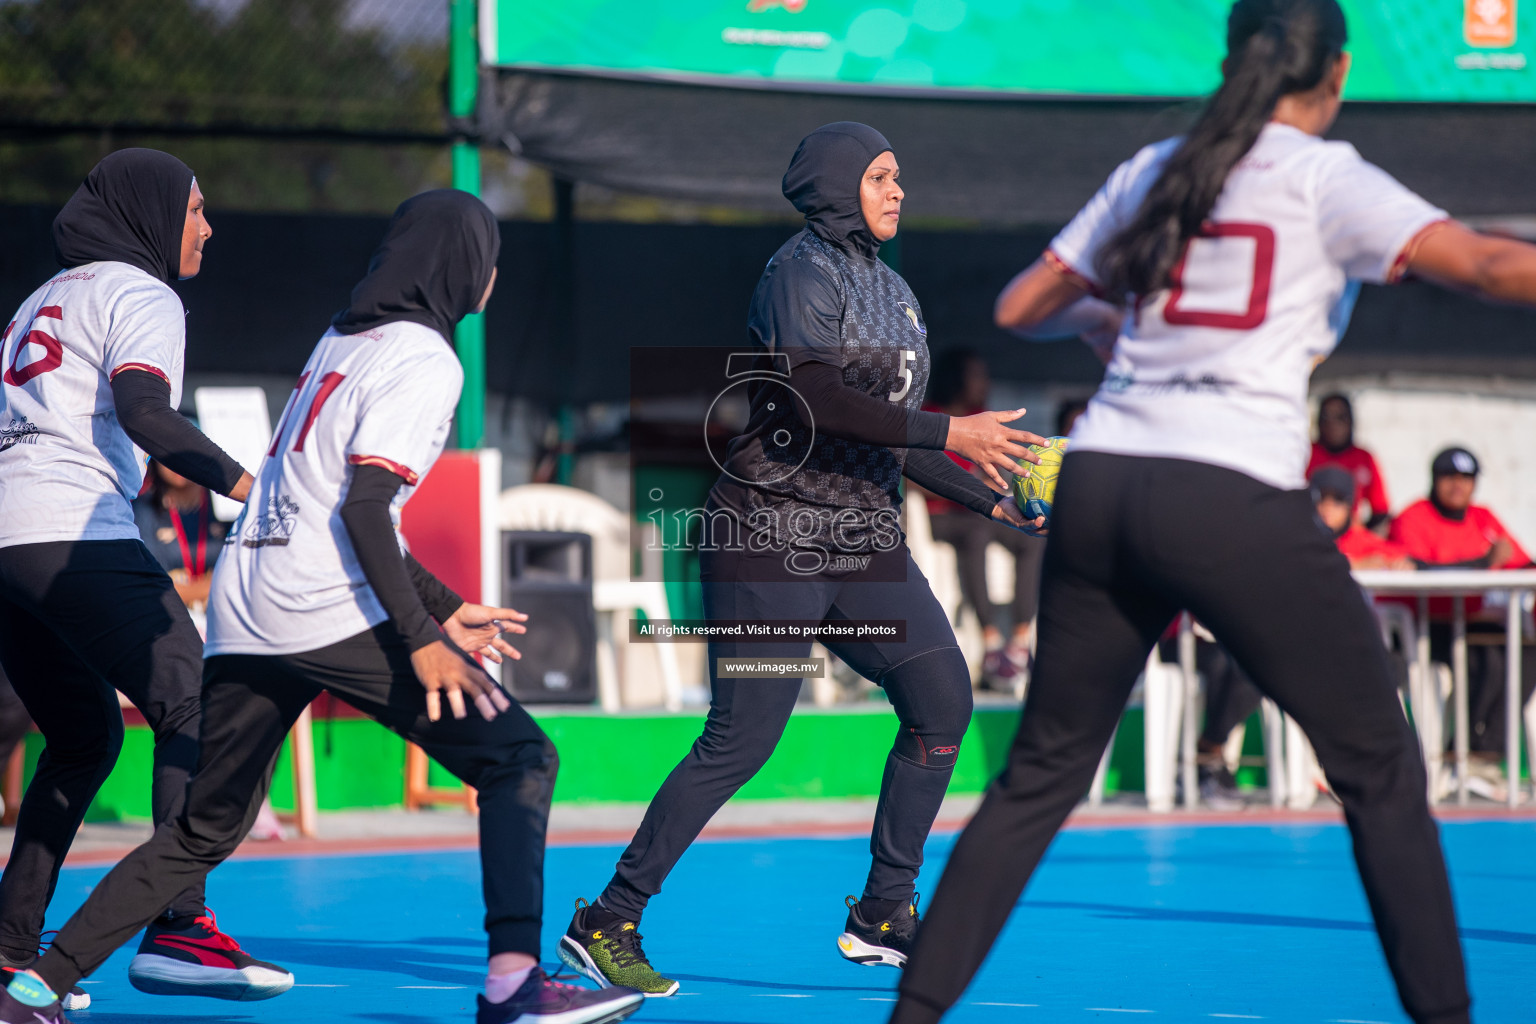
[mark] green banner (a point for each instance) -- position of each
(1407, 50)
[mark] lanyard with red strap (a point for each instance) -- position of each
(198, 568)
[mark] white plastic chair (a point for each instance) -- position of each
(1165, 692)
(614, 594)
(940, 564)
(1162, 701)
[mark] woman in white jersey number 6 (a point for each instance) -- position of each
(1234, 251)
(92, 364)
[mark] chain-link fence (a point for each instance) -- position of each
(278, 104)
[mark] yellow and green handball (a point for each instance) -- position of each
(1034, 487)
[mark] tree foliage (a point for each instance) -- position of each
(267, 64)
(117, 70)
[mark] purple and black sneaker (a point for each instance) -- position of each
(543, 1000)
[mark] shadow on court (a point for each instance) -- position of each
(1223, 917)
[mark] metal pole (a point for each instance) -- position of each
(1187, 773)
(1459, 675)
(564, 298)
(1512, 709)
(1429, 685)
(463, 89)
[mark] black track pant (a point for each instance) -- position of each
(249, 704)
(1133, 540)
(78, 619)
(924, 676)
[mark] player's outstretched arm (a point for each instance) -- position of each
(1455, 256)
(1043, 303)
(142, 401)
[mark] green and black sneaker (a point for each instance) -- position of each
(610, 955)
(886, 941)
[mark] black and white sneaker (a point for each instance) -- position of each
(543, 1000)
(886, 941)
(1218, 788)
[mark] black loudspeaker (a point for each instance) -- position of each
(548, 575)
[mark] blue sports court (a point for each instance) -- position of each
(1263, 921)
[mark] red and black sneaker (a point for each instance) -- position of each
(190, 957)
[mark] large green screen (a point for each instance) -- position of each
(1424, 50)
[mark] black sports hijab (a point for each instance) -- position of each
(131, 208)
(431, 268)
(823, 182)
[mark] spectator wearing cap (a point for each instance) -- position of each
(1335, 446)
(1446, 530)
(1333, 492)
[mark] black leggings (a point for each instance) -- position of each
(249, 704)
(969, 534)
(924, 676)
(78, 619)
(1134, 540)
(1485, 682)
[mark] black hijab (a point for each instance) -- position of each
(131, 208)
(823, 182)
(431, 268)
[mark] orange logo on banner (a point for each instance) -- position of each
(1489, 23)
(792, 6)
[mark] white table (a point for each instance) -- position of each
(1457, 584)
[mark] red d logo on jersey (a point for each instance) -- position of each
(53, 352)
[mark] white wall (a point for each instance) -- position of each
(1404, 422)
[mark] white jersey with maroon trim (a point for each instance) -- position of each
(288, 580)
(67, 470)
(1215, 368)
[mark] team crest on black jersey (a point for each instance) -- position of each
(19, 431)
(912, 318)
(275, 524)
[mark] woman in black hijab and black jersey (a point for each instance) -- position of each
(810, 493)
(84, 607)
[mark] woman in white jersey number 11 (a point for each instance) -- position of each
(1234, 252)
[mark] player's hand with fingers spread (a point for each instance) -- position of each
(444, 670)
(1008, 511)
(477, 629)
(994, 447)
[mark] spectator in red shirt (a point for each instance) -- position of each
(1446, 531)
(1333, 492)
(1335, 446)
(960, 382)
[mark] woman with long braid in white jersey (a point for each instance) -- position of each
(1228, 259)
